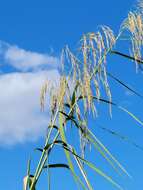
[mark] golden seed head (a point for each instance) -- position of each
(134, 25)
(43, 94)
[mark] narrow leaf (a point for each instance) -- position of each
(92, 166)
(63, 137)
(57, 166)
(123, 84)
(127, 56)
(122, 137)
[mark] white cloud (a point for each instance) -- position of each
(24, 60)
(20, 116)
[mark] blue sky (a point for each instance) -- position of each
(32, 34)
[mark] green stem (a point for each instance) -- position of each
(45, 159)
(42, 159)
(43, 153)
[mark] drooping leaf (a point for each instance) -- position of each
(131, 114)
(83, 173)
(39, 149)
(53, 126)
(124, 85)
(92, 166)
(60, 165)
(109, 153)
(122, 137)
(63, 137)
(118, 106)
(107, 158)
(98, 145)
(127, 56)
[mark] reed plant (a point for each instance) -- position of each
(76, 96)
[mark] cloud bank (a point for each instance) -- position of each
(20, 116)
(24, 60)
